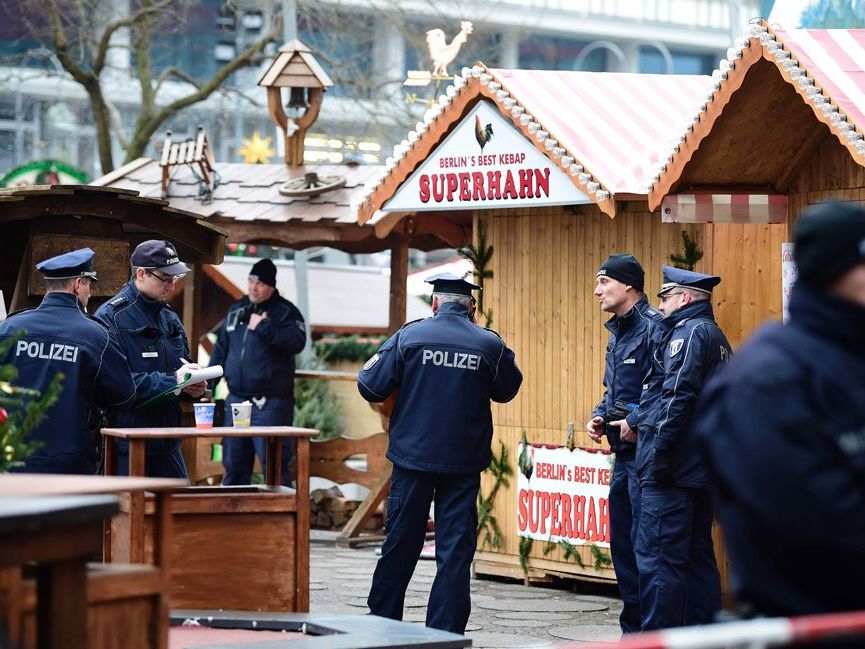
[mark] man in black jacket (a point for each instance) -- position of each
(783, 429)
(256, 346)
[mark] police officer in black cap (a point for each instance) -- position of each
(60, 337)
(445, 369)
(619, 290)
(679, 580)
(256, 345)
(151, 334)
(783, 428)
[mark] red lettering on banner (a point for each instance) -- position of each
(423, 188)
(526, 189)
(604, 476)
(478, 186)
(510, 190)
(542, 181)
(545, 511)
(438, 188)
(533, 512)
(452, 185)
(591, 521)
(567, 528)
(603, 520)
(522, 510)
(555, 523)
(465, 191)
(494, 180)
(579, 529)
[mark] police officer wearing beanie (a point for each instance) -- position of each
(152, 337)
(783, 429)
(619, 290)
(679, 580)
(444, 371)
(256, 345)
(59, 337)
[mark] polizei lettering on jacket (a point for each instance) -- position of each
(458, 360)
(52, 351)
(484, 186)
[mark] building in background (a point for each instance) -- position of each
(367, 47)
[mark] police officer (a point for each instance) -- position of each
(783, 428)
(61, 338)
(446, 369)
(152, 337)
(679, 580)
(619, 290)
(256, 346)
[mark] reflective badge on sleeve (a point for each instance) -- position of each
(676, 346)
(371, 362)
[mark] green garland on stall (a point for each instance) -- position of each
(526, 544)
(480, 257)
(488, 527)
(691, 253)
(347, 348)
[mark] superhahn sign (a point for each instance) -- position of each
(564, 495)
(485, 163)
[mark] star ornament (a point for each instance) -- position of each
(256, 149)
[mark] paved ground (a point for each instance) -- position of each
(504, 613)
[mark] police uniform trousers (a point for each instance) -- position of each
(238, 453)
(456, 519)
(167, 463)
(624, 517)
(679, 580)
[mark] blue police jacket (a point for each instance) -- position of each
(446, 369)
(260, 361)
(690, 349)
(151, 334)
(783, 431)
(628, 365)
(60, 337)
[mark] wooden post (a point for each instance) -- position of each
(192, 315)
(398, 277)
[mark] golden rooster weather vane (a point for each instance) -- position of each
(442, 54)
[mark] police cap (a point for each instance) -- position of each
(159, 255)
(674, 277)
(69, 265)
(450, 283)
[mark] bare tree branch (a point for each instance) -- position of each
(145, 13)
(174, 72)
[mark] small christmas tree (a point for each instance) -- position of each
(21, 410)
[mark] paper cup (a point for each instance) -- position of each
(241, 414)
(204, 414)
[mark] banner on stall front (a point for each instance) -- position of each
(485, 163)
(563, 495)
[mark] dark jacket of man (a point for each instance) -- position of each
(691, 349)
(783, 428)
(447, 369)
(60, 337)
(628, 365)
(260, 361)
(152, 336)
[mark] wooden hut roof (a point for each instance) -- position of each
(774, 100)
(247, 203)
(139, 216)
(605, 130)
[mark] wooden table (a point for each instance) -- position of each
(58, 534)
(223, 534)
(66, 589)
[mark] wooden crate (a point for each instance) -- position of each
(232, 548)
(123, 610)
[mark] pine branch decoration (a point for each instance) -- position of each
(480, 257)
(691, 253)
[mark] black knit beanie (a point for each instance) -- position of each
(624, 268)
(829, 239)
(265, 271)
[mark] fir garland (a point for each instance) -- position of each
(480, 257)
(488, 527)
(691, 253)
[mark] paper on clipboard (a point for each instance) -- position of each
(197, 376)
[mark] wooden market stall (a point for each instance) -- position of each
(784, 129)
(556, 167)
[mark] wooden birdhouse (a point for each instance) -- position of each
(296, 69)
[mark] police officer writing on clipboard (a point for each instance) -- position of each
(446, 369)
(151, 334)
(60, 337)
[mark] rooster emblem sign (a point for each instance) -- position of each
(483, 134)
(443, 53)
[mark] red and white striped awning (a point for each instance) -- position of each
(617, 125)
(724, 208)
